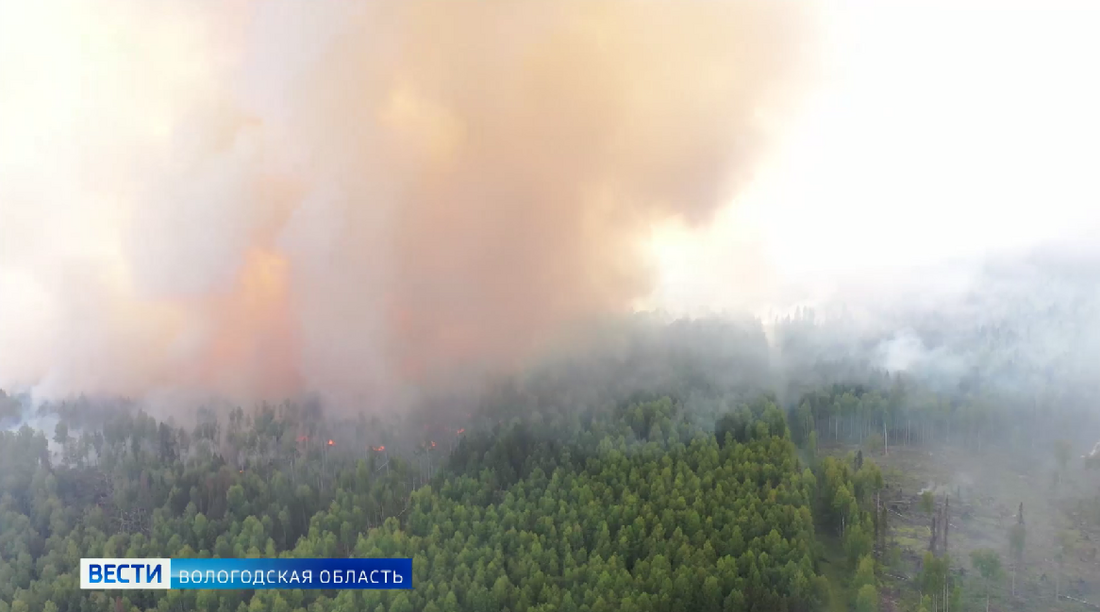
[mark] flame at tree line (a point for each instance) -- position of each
(270, 200)
(359, 219)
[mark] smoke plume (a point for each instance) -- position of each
(274, 197)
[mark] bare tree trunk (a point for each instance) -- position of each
(946, 520)
(946, 599)
(878, 525)
(932, 542)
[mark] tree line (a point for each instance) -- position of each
(638, 506)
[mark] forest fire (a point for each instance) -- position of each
(229, 239)
(260, 221)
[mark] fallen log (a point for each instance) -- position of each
(1080, 601)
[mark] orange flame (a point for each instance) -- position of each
(256, 333)
(331, 443)
(461, 431)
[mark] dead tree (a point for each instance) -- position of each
(946, 521)
(881, 524)
(932, 541)
(878, 521)
(940, 520)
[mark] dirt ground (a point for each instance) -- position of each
(984, 491)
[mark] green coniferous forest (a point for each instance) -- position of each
(663, 477)
(694, 500)
(604, 521)
(424, 279)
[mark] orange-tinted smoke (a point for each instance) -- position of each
(255, 339)
(366, 195)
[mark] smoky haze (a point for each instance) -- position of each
(270, 198)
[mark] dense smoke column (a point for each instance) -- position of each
(354, 197)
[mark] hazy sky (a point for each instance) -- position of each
(262, 197)
(944, 131)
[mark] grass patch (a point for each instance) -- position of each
(834, 566)
(913, 537)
